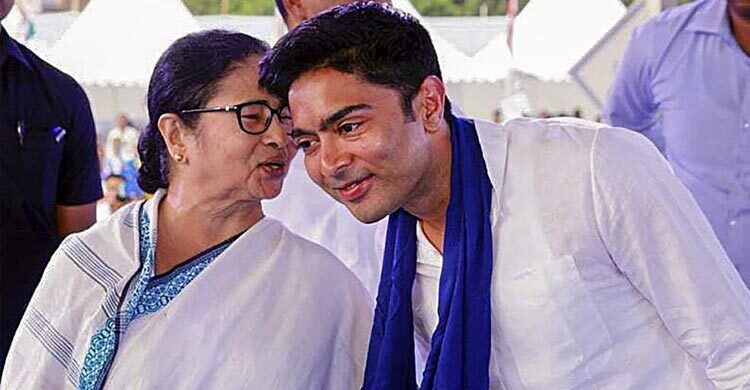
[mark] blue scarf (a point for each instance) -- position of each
(460, 351)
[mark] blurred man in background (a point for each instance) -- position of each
(295, 12)
(684, 82)
(49, 171)
(121, 155)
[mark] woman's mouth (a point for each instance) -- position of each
(274, 169)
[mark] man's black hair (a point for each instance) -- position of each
(374, 41)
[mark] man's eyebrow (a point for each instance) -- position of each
(296, 133)
(336, 116)
(327, 122)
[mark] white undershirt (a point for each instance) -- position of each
(425, 294)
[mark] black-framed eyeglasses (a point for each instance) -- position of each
(254, 117)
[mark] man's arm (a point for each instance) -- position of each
(631, 103)
(79, 183)
(72, 219)
(658, 237)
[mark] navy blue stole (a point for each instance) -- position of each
(460, 350)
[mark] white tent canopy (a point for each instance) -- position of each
(117, 42)
(456, 66)
(112, 47)
(16, 23)
(595, 72)
(550, 36)
(493, 62)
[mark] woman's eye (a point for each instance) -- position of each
(349, 127)
(251, 117)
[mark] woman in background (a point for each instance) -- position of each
(194, 288)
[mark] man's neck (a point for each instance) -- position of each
(430, 203)
(740, 29)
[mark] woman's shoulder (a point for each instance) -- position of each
(315, 262)
(313, 251)
(121, 221)
(109, 244)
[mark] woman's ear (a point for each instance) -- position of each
(172, 129)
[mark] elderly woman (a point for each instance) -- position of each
(195, 288)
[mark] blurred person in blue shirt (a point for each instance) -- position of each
(684, 82)
(49, 171)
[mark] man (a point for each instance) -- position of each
(49, 171)
(114, 193)
(684, 82)
(295, 12)
(121, 145)
(121, 155)
(538, 254)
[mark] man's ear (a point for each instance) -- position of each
(172, 129)
(295, 13)
(432, 103)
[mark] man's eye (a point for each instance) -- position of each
(349, 127)
(304, 144)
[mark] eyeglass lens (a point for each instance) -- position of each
(255, 118)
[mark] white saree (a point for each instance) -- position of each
(273, 311)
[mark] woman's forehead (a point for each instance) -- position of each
(241, 85)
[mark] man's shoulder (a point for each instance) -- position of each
(553, 132)
(62, 86)
(313, 252)
(309, 261)
(568, 139)
(668, 23)
(110, 228)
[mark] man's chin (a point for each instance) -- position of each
(366, 216)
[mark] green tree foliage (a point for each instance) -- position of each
(462, 7)
(426, 7)
(236, 7)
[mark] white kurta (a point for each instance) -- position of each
(273, 311)
(606, 274)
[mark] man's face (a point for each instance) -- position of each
(311, 8)
(306, 9)
(122, 121)
(113, 187)
(740, 8)
(359, 146)
(5, 6)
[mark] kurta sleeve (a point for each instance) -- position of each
(659, 238)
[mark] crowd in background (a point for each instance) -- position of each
(118, 157)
